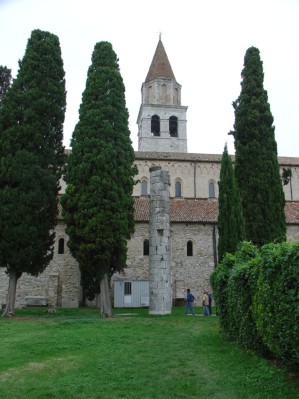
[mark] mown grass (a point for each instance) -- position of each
(77, 354)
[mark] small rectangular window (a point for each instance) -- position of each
(146, 247)
(61, 246)
(189, 248)
(128, 288)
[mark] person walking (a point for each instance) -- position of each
(190, 299)
(205, 303)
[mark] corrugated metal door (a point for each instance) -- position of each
(131, 294)
(127, 294)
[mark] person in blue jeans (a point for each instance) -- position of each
(205, 303)
(190, 299)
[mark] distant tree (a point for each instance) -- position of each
(5, 79)
(286, 176)
(256, 167)
(231, 224)
(98, 206)
(31, 159)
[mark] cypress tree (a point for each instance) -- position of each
(5, 80)
(231, 224)
(256, 167)
(98, 205)
(31, 160)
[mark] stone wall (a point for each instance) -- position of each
(292, 233)
(148, 142)
(59, 283)
(186, 271)
(291, 190)
(194, 176)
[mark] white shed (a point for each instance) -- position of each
(131, 293)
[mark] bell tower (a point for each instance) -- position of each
(162, 124)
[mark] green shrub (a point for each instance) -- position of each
(276, 302)
(246, 251)
(257, 299)
(219, 279)
(240, 290)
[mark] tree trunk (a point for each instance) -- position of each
(11, 294)
(105, 300)
(98, 301)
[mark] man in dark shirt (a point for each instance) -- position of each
(190, 299)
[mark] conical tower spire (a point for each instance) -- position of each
(160, 66)
(162, 123)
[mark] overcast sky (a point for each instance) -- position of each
(205, 42)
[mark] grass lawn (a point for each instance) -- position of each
(77, 354)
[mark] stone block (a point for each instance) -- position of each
(36, 301)
(70, 303)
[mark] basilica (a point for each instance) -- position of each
(162, 141)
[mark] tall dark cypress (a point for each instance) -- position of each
(257, 168)
(231, 224)
(98, 205)
(31, 159)
(5, 80)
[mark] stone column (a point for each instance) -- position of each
(159, 251)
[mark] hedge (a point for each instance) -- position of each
(257, 299)
(276, 303)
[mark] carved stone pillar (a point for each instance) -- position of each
(159, 251)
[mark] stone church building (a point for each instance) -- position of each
(162, 141)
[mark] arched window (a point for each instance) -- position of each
(144, 188)
(146, 247)
(189, 248)
(211, 190)
(61, 246)
(155, 125)
(173, 126)
(178, 189)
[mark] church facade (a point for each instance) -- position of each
(162, 141)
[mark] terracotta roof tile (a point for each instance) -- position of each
(181, 210)
(192, 210)
(160, 66)
(189, 156)
(142, 209)
(292, 212)
(199, 210)
(177, 156)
